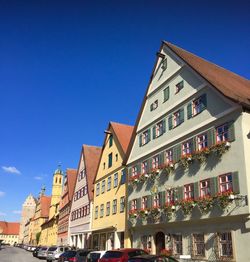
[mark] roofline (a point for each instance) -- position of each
(141, 109)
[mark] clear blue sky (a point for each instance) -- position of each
(67, 68)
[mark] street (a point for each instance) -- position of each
(14, 254)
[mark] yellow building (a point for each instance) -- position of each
(41, 215)
(50, 227)
(9, 232)
(109, 212)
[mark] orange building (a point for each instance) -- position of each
(65, 205)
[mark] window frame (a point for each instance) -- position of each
(224, 134)
(188, 191)
(205, 188)
(228, 183)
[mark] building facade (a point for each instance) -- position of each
(41, 215)
(49, 229)
(109, 213)
(82, 202)
(9, 232)
(28, 211)
(189, 179)
(65, 205)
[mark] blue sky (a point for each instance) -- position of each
(67, 68)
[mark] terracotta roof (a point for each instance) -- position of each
(45, 205)
(91, 156)
(10, 228)
(228, 83)
(69, 186)
(123, 134)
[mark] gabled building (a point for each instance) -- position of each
(50, 227)
(189, 176)
(28, 211)
(82, 202)
(41, 215)
(108, 217)
(9, 232)
(65, 205)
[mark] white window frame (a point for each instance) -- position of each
(109, 183)
(169, 156)
(144, 167)
(226, 182)
(205, 188)
(155, 161)
(202, 141)
(225, 244)
(186, 148)
(189, 191)
(222, 133)
(115, 180)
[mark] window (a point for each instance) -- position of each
(204, 188)
(186, 148)
(199, 105)
(88, 210)
(134, 171)
(159, 129)
(155, 162)
(123, 177)
(122, 204)
(114, 206)
(133, 204)
(110, 140)
(110, 160)
(115, 179)
(156, 200)
(222, 133)
(154, 105)
(169, 156)
(165, 94)
(189, 191)
(226, 183)
(116, 157)
(97, 189)
(179, 86)
(202, 141)
(109, 183)
(176, 119)
(198, 245)
(101, 210)
(164, 65)
(104, 165)
(170, 196)
(103, 186)
(144, 167)
(144, 137)
(225, 244)
(177, 244)
(144, 202)
(108, 209)
(96, 212)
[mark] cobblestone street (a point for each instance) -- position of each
(14, 254)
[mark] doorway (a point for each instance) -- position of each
(159, 242)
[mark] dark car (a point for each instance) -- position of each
(152, 258)
(35, 251)
(121, 255)
(74, 256)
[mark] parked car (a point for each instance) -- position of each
(152, 258)
(42, 252)
(79, 255)
(55, 251)
(121, 255)
(94, 256)
(36, 251)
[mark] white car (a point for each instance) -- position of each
(93, 256)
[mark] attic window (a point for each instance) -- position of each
(179, 86)
(154, 105)
(164, 65)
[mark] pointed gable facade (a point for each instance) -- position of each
(188, 152)
(65, 205)
(108, 217)
(82, 200)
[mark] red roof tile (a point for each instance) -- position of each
(91, 156)
(9, 228)
(45, 205)
(228, 83)
(123, 134)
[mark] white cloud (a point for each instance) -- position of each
(2, 193)
(38, 178)
(2, 214)
(11, 169)
(16, 212)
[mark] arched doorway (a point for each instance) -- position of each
(159, 242)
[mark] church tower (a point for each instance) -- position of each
(56, 191)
